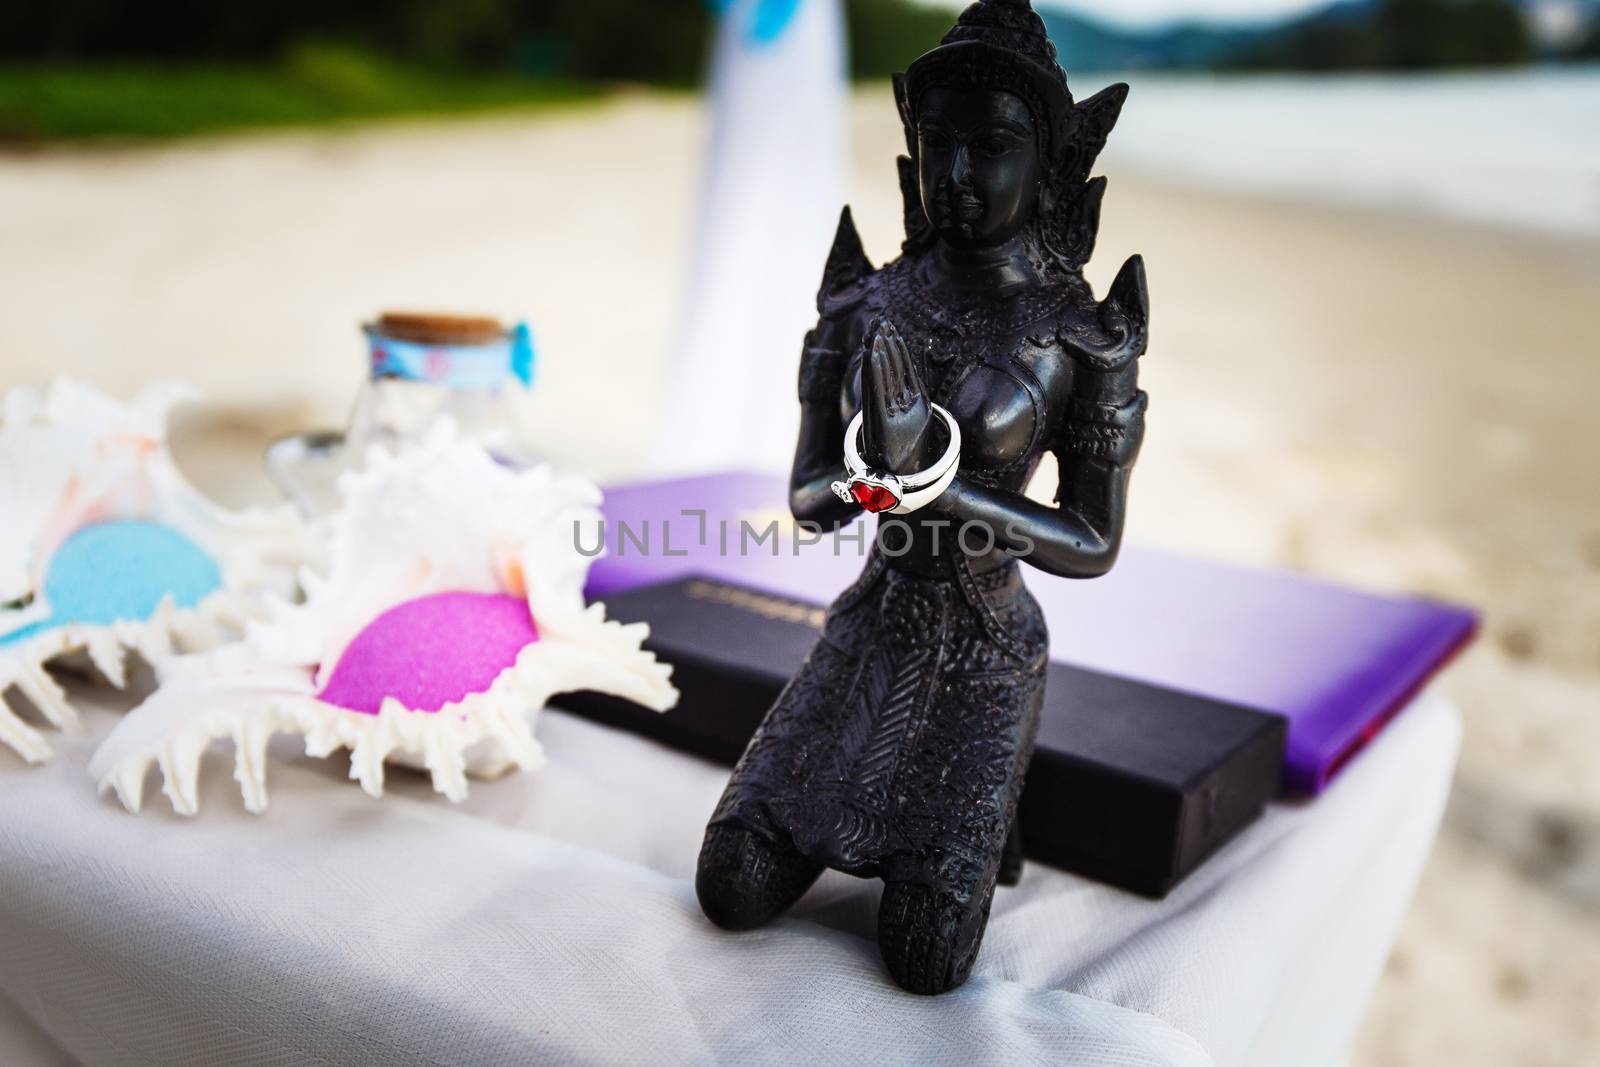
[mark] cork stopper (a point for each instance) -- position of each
(428, 328)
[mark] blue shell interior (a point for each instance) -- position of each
(120, 571)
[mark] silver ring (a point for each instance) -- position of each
(898, 494)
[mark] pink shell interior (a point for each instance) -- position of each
(431, 651)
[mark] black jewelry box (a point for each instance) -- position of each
(1132, 784)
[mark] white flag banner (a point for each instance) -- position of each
(770, 199)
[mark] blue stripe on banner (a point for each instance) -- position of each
(771, 19)
(768, 20)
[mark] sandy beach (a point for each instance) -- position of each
(1402, 403)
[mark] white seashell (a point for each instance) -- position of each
(442, 520)
(75, 462)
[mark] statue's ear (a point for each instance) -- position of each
(1096, 117)
(1070, 213)
(1071, 227)
(919, 232)
(904, 106)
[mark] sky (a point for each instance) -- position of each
(1155, 12)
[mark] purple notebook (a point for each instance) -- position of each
(1336, 663)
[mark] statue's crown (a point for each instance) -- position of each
(997, 44)
(1003, 45)
(1009, 24)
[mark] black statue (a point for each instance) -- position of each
(898, 751)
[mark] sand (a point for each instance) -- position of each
(1400, 403)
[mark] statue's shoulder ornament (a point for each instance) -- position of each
(848, 280)
(848, 277)
(1104, 418)
(1110, 335)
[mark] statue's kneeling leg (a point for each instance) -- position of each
(928, 938)
(744, 880)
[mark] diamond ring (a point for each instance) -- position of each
(880, 491)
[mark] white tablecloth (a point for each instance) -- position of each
(551, 918)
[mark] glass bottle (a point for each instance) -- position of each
(472, 370)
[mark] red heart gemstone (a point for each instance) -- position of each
(874, 498)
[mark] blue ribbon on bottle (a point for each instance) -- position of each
(485, 366)
(522, 353)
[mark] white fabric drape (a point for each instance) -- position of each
(551, 918)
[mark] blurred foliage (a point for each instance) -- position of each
(161, 68)
(646, 40)
(1590, 48)
(312, 84)
(886, 35)
(1396, 35)
(83, 68)
(660, 41)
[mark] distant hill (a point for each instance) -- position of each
(1345, 35)
(1084, 44)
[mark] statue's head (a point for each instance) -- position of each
(995, 140)
(983, 109)
(978, 165)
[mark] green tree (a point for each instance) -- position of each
(886, 35)
(1424, 34)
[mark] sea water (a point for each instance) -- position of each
(1515, 148)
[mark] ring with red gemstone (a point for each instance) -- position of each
(899, 494)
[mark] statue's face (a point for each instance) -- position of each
(978, 154)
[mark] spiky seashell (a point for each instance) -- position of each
(105, 547)
(451, 610)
